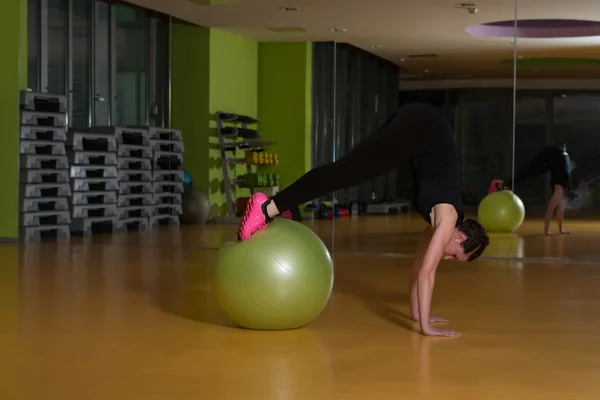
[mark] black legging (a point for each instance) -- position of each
(404, 134)
(551, 159)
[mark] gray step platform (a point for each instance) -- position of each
(94, 171)
(129, 150)
(134, 163)
(135, 175)
(88, 198)
(126, 200)
(162, 220)
(136, 212)
(94, 211)
(139, 224)
(33, 101)
(44, 175)
(135, 188)
(40, 190)
(35, 233)
(85, 225)
(45, 204)
(92, 158)
(167, 155)
(167, 187)
(40, 218)
(173, 146)
(95, 184)
(168, 209)
(120, 130)
(43, 162)
(165, 134)
(54, 133)
(42, 147)
(167, 198)
(38, 118)
(125, 134)
(168, 175)
(83, 141)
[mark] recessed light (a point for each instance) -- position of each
(289, 8)
(338, 30)
(375, 47)
(402, 59)
(426, 71)
(470, 7)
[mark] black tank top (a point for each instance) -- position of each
(435, 165)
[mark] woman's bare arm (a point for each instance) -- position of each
(414, 273)
(443, 223)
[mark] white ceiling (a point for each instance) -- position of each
(401, 28)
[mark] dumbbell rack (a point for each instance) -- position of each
(44, 167)
(229, 141)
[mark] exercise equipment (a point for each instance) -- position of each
(260, 179)
(187, 181)
(255, 157)
(196, 207)
(501, 211)
(280, 278)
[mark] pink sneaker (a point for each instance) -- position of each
(255, 217)
(495, 186)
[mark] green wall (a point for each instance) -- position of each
(213, 70)
(284, 105)
(13, 41)
(189, 97)
(233, 88)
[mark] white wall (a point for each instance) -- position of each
(589, 84)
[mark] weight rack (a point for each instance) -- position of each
(234, 134)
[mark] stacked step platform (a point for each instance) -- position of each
(167, 175)
(134, 169)
(44, 188)
(94, 182)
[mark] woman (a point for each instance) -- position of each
(417, 134)
(556, 160)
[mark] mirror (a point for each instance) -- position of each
(459, 70)
(556, 144)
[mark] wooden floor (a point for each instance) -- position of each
(132, 317)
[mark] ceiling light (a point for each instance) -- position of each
(426, 71)
(289, 8)
(338, 30)
(470, 7)
(402, 59)
(375, 47)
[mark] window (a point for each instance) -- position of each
(33, 44)
(57, 40)
(81, 94)
(132, 66)
(159, 85)
(110, 58)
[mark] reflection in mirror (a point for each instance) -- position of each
(556, 143)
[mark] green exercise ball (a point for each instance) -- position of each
(501, 211)
(280, 278)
